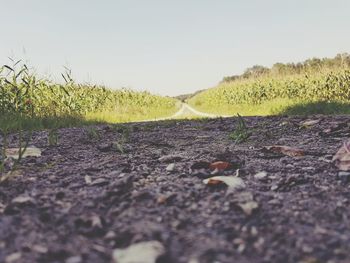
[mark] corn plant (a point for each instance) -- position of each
(23, 94)
(325, 87)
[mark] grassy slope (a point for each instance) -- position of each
(276, 107)
(13, 122)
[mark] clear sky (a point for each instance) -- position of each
(169, 47)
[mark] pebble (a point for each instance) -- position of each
(170, 167)
(170, 158)
(40, 249)
(100, 182)
(22, 199)
(104, 147)
(260, 176)
(274, 187)
(74, 259)
(110, 235)
(344, 176)
(14, 257)
(143, 252)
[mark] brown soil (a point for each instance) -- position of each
(302, 213)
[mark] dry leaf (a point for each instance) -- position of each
(342, 158)
(30, 151)
(286, 150)
(232, 182)
(143, 252)
(220, 166)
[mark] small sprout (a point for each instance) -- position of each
(15, 155)
(118, 147)
(93, 133)
(52, 138)
(241, 133)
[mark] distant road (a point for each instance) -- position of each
(186, 111)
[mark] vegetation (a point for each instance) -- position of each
(326, 91)
(309, 66)
(28, 102)
(241, 132)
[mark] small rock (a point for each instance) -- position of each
(170, 167)
(259, 243)
(249, 207)
(14, 257)
(320, 230)
(261, 176)
(88, 179)
(170, 158)
(200, 165)
(110, 235)
(143, 252)
(22, 199)
(307, 249)
(74, 259)
(344, 176)
(274, 202)
(162, 199)
(274, 187)
(96, 222)
(2, 208)
(40, 249)
(245, 200)
(254, 231)
(100, 182)
(105, 147)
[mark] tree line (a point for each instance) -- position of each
(281, 69)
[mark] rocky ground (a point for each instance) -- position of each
(106, 188)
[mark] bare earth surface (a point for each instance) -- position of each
(88, 196)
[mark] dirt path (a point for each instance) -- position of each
(90, 195)
(186, 111)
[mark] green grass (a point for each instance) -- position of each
(14, 122)
(129, 113)
(241, 132)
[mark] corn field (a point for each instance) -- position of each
(323, 87)
(23, 93)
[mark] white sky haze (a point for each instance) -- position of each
(169, 47)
